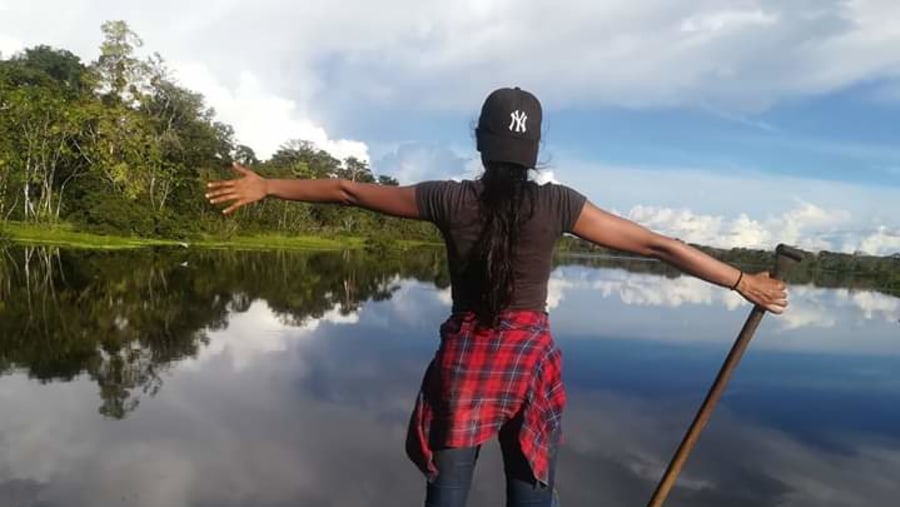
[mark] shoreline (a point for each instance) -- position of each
(66, 236)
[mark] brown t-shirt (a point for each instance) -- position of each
(453, 207)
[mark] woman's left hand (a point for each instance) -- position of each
(247, 189)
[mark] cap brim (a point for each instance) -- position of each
(497, 148)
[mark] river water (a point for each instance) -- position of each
(216, 378)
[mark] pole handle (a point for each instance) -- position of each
(785, 258)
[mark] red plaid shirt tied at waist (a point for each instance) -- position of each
(481, 378)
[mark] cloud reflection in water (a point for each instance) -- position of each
(273, 415)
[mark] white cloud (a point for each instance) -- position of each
(445, 296)
(415, 162)
(737, 54)
(544, 176)
(332, 316)
(713, 22)
(874, 305)
(816, 308)
(744, 209)
(8, 45)
(740, 54)
(248, 335)
(414, 304)
(258, 332)
(807, 226)
(745, 54)
(817, 319)
(262, 119)
(221, 440)
(639, 289)
(882, 240)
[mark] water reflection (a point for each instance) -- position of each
(286, 379)
(122, 318)
(687, 310)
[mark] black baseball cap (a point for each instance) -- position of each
(509, 128)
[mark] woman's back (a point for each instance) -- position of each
(547, 212)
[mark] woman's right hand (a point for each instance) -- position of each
(765, 291)
(246, 189)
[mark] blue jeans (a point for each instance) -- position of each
(456, 466)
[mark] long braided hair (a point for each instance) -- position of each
(506, 202)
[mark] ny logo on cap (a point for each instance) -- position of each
(517, 124)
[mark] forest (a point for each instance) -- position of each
(116, 146)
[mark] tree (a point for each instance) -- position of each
(317, 163)
(184, 132)
(356, 170)
(57, 65)
(41, 94)
(121, 74)
(245, 155)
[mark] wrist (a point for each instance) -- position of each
(739, 283)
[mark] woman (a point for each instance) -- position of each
(497, 369)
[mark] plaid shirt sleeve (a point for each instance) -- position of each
(480, 379)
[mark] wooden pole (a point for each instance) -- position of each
(785, 257)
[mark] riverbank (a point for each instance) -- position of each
(65, 235)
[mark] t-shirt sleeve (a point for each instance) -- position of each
(433, 200)
(568, 204)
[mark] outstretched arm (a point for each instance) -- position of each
(250, 187)
(605, 229)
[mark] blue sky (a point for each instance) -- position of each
(728, 122)
(847, 136)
